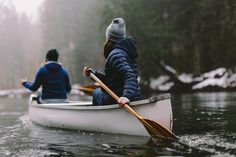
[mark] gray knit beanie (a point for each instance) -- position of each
(116, 30)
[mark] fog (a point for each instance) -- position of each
(72, 28)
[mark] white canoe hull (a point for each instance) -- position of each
(111, 118)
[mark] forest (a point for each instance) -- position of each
(191, 36)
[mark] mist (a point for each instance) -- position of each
(72, 28)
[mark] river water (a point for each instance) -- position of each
(205, 124)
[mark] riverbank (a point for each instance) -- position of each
(220, 79)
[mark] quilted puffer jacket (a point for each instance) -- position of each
(120, 73)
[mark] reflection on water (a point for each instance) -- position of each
(205, 124)
(206, 121)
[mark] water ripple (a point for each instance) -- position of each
(215, 143)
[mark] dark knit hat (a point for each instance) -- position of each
(116, 31)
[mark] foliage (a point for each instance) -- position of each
(72, 28)
(18, 47)
(191, 36)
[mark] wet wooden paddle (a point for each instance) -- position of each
(153, 128)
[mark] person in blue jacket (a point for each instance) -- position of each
(120, 72)
(53, 78)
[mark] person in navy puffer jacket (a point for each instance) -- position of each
(53, 78)
(120, 73)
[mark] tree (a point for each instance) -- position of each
(73, 28)
(17, 42)
(191, 36)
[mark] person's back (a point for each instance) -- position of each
(55, 81)
(121, 69)
(121, 72)
(53, 78)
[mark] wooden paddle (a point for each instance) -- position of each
(153, 128)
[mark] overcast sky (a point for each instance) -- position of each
(30, 7)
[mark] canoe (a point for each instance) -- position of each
(82, 115)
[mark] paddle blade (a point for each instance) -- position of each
(155, 129)
(88, 90)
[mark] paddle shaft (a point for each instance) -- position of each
(130, 110)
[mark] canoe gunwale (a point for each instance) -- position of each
(87, 105)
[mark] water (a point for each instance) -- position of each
(205, 124)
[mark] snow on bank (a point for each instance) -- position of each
(161, 83)
(188, 78)
(221, 78)
(215, 78)
(218, 78)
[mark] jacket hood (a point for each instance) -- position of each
(53, 66)
(129, 46)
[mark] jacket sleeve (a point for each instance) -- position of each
(120, 63)
(34, 86)
(67, 83)
(101, 76)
